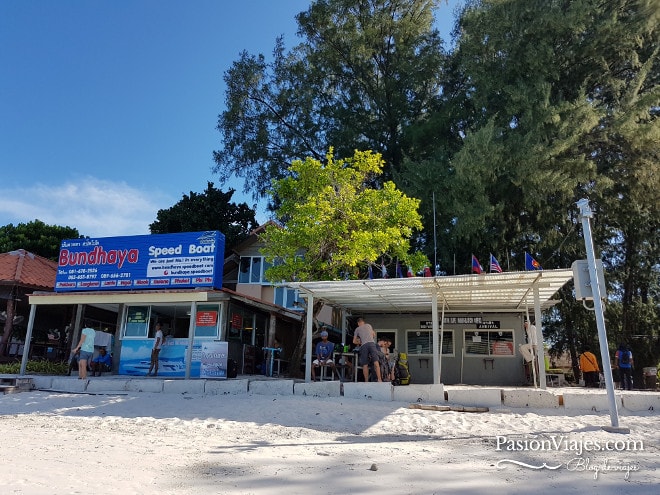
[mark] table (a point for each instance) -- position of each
(353, 355)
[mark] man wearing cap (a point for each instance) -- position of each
(324, 349)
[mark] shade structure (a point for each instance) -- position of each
(490, 292)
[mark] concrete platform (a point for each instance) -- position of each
(419, 393)
(374, 391)
(271, 387)
(535, 398)
(318, 389)
(641, 401)
(475, 396)
(596, 401)
(573, 398)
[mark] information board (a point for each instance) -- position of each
(159, 261)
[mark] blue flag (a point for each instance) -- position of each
(531, 263)
(370, 273)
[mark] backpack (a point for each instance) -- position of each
(624, 357)
(401, 370)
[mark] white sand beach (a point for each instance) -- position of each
(156, 443)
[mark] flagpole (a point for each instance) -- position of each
(435, 242)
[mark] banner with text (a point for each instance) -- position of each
(159, 261)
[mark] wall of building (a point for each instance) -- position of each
(483, 348)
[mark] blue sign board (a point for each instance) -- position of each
(160, 261)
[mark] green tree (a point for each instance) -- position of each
(36, 237)
(210, 210)
(366, 70)
(555, 101)
(335, 222)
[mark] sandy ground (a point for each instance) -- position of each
(143, 443)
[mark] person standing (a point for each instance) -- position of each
(86, 348)
(155, 350)
(589, 367)
(623, 361)
(364, 336)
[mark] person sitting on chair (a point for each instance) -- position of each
(324, 350)
(102, 362)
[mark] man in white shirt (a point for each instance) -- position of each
(155, 351)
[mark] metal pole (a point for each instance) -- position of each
(585, 215)
(28, 338)
(434, 339)
(191, 338)
(309, 330)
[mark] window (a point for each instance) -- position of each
(489, 342)
(251, 270)
(141, 321)
(419, 342)
(287, 298)
(207, 320)
(137, 321)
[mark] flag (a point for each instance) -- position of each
(476, 266)
(383, 271)
(427, 271)
(494, 265)
(531, 263)
(399, 272)
(410, 272)
(371, 273)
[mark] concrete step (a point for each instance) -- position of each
(12, 385)
(9, 389)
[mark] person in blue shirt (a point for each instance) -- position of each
(623, 361)
(324, 350)
(102, 362)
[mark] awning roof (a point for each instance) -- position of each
(492, 292)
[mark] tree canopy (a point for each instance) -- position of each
(366, 70)
(36, 237)
(335, 222)
(537, 105)
(210, 210)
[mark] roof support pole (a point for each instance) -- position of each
(308, 341)
(434, 340)
(540, 355)
(191, 337)
(442, 333)
(28, 339)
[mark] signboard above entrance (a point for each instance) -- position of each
(162, 261)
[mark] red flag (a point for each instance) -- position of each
(476, 266)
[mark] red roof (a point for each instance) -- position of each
(23, 268)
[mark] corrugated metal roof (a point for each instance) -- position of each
(493, 292)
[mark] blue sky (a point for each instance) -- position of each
(109, 107)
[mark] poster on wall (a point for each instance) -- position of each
(161, 261)
(213, 359)
(209, 358)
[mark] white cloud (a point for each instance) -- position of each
(97, 208)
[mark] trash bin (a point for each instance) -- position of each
(650, 377)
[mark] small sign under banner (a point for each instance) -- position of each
(452, 320)
(489, 325)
